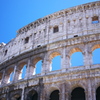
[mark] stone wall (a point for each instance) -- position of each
(71, 30)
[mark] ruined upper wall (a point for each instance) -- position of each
(62, 25)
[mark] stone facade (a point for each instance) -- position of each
(63, 33)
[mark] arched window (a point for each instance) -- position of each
(78, 94)
(56, 63)
(96, 58)
(55, 59)
(22, 72)
(98, 93)
(35, 96)
(37, 62)
(77, 59)
(38, 67)
(11, 77)
(54, 95)
(32, 95)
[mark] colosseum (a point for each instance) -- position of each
(62, 33)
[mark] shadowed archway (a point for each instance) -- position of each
(54, 95)
(98, 93)
(19, 98)
(78, 94)
(32, 95)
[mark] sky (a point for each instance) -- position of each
(14, 14)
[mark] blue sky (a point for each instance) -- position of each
(14, 14)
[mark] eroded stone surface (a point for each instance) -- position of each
(40, 41)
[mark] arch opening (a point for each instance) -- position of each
(11, 77)
(55, 61)
(54, 95)
(19, 98)
(32, 95)
(22, 72)
(76, 59)
(95, 57)
(78, 94)
(38, 67)
(98, 93)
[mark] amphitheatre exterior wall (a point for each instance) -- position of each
(75, 29)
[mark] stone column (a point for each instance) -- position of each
(93, 95)
(88, 92)
(16, 73)
(6, 78)
(2, 81)
(46, 66)
(93, 89)
(43, 96)
(87, 57)
(65, 62)
(67, 92)
(30, 69)
(22, 97)
(67, 96)
(68, 61)
(64, 95)
(43, 67)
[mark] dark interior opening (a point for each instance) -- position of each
(54, 95)
(33, 95)
(19, 98)
(78, 94)
(55, 29)
(75, 35)
(6, 52)
(26, 40)
(98, 93)
(39, 46)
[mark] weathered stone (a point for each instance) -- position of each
(61, 33)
